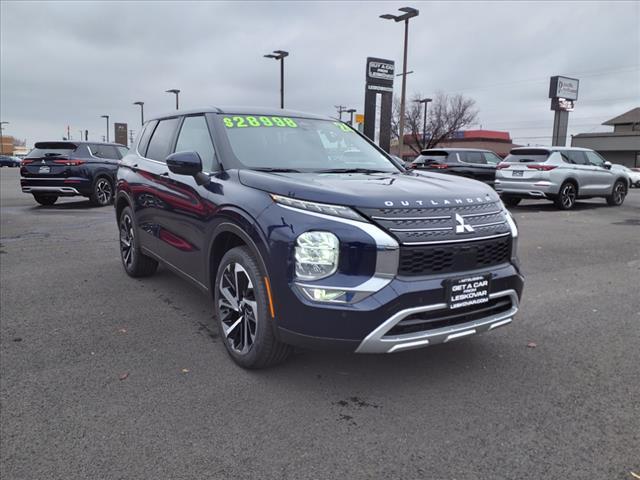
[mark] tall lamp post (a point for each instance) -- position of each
(141, 104)
(176, 92)
(1, 137)
(424, 123)
(351, 111)
(107, 117)
(279, 55)
(408, 13)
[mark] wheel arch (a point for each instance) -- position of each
(121, 202)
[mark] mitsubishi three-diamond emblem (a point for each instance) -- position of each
(461, 226)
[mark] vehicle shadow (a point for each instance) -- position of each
(73, 205)
(550, 207)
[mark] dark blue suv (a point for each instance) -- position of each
(70, 168)
(305, 233)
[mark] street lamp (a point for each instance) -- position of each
(351, 111)
(424, 123)
(279, 55)
(1, 139)
(408, 13)
(107, 118)
(141, 111)
(176, 92)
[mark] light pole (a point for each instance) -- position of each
(409, 13)
(279, 55)
(1, 137)
(424, 123)
(107, 117)
(176, 92)
(351, 111)
(141, 111)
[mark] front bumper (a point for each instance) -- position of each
(526, 189)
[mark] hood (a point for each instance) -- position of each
(373, 190)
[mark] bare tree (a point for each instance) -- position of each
(445, 115)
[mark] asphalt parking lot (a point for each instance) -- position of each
(107, 377)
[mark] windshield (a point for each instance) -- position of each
(528, 155)
(300, 144)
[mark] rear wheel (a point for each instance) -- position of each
(45, 199)
(102, 192)
(511, 201)
(566, 198)
(243, 314)
(135, 263)
(618, 194)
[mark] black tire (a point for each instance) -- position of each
(242, 313)
(511, 201)
(45, 199)
(567, 196)
(102, 194)
(135, 263)
(618, 194)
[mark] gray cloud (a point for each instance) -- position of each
(67, 63)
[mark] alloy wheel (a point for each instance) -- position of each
(237, 308)
(127, 241)
(619, 192)
(568, 195)
(103, 191)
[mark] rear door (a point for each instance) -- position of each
(50, 160)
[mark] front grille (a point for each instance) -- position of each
(454, 257)
(420, 322)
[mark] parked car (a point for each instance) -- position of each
(9, 161)
(632, 173)
(305, 233)
(560, 174)
(465, 162)
(69, 168)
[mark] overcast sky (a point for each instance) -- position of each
(67, 63)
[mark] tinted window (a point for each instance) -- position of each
(194, 137)
(122, 151)
(429, 156)
(491, 158)
(162, 139)
(526, 155)
(51, 149)
(575, 157)
(594, 159)
(104, 151)
(144, 138)
(472, 157)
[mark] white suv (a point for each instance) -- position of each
(560, 174)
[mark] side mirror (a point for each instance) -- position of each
(607, 165)
(184, 163)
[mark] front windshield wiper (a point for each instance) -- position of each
(352, 170)
(274, 169)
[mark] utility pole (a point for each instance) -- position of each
(130, 137)
(340, 108)
(141, 104)
(351, 111)
(424, 123)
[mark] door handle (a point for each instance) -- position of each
(165, 174)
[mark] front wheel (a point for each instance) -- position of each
(102, 192)
(566, 198)
(135, 263)
(242, 311)
(511, 201)
(618, 194)
(45, 199)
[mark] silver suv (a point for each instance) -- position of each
(560, 174)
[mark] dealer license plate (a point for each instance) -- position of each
(468, 291)
(517, 173)
(44, 169)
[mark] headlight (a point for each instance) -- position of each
(324, 208)
(316, 255)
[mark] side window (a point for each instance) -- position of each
(594, 159)
(162, 139)
(491, 158)
(576, 157)
(194, 136)
(144, 138)
(106, 151)
(474, 157)
(123, 151)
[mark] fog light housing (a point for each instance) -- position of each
(325, 294)
(316, 255)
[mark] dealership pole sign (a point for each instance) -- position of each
(563, 92)
(121, 133)
(379, 81)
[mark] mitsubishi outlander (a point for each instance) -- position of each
(305, 233)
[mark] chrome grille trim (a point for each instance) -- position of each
(458, 240)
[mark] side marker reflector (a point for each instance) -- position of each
(268, 285)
